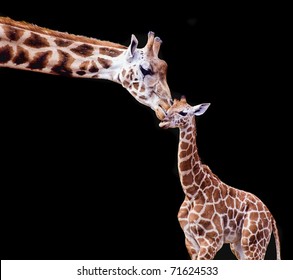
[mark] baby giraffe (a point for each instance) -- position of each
(214, 213)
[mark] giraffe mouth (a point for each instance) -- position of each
(164, 124)
(163, 106)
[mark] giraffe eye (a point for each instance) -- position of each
(146, 71)
(182, 113)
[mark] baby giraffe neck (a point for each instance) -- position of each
(189, 164)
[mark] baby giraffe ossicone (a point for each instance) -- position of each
(214, 213)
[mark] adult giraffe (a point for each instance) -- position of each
(27, 46)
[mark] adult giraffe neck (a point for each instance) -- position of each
(29, 47)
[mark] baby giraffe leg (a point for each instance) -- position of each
(255, 239)
(207, 251)
(237, 250)
(191, 250)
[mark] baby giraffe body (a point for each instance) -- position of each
(214, 213)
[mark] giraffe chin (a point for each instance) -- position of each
(164, 125)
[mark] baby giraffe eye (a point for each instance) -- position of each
(146, 71)
(182, 113)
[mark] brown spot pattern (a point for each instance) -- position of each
(252, 239)
(199, 176)
(230, 201)
(263, 216)
(212, 235)
(84, 65)
(142, 89)
(184, 165)
(187, 152)
(105, 63)
(187, 180)
(125, 84)
(232, 192)
(200, 199)
(83, 50)
(200, 230)
(253, 216)
(94, 68)
(207, 225)
(184, 145)
(182, 213)
(216, 220)
(183, 223)
(36, 41)
(110, 52)
(214, 181)
(238, 203)
(62, 43)
(202, 241)
(12, 33)
(135, 85)
(239, 216)
(188, 136)
(198, 208)
(253, 227)
(230, 214)
(40, 60)
(232, 225)
(191, 190)
(259, 205)
(193, 217)
(216, 194)
(208, 212)
(80, 73)
(21, 56)
(63, 66)
(6, 53)
(220, 207)
(208, 191)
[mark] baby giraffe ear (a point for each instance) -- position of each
(200, 109)
(132, 48)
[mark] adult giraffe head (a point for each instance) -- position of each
(144, 75)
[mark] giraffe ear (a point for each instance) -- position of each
(200, 109)
(132, 48)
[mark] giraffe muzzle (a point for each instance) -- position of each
(164, 124)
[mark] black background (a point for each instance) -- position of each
(87, 172)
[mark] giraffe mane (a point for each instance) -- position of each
(62, 35)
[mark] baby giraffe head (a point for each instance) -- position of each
(181, 114)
